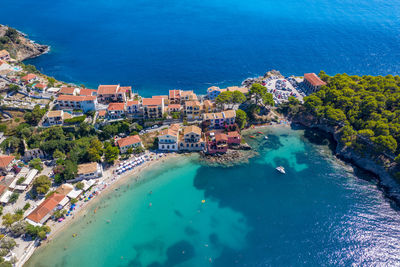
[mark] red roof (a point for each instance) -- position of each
(132, 102)
(134, 139)
(124, 89)
(67, 90)
(77, 98)
(45, 207)
(174, 93)
(28, 77)
(233, 134)
(116, 106)
(313, 79)
(85, 91)
(102, 113)
(174, 106)
(5, 161)
(2, 189)
(221, 137)
(107, 89)
(152, 101)
(40, 85)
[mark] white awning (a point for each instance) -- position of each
(74, 193)
(29, 177)
(5, 197)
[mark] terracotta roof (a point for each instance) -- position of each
(132, 102)
(116, 106)
(129, 140)
(152, 101)
(172, 130)
(67, 90)
(2, 189)
(314, 79)
(41, 85)
(229, 113)
(5, 161)
(124, 89)
(233, 134)
(85, 91)
(160, 96)
(4, 53)
(208, 116)
(102, 113)
(192, 129)
(221, 137)
(76, 98)
(28, 77)
(218, 115)
(54, 113)
(208, 103)
(174, 93)
(45, 207)
(174, 106)
(87, 168)
(107, 89)
(192, 103)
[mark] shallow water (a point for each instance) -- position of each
(156, 45)
(319, 213)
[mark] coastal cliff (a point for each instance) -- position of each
(378, 165)
(18, 45)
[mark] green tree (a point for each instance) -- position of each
(36, 163)
(110, 153)
(42, 184)
(385, 143)
(238, 97)
(257, 92)
(95, 150)
(13, 198)
(79, 186)
(241, 118)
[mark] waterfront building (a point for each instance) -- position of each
(217, 143)
(153, 108)
(129, 142)
(220, 120)
(88, 171)
(68, 91)
(30, 78)
(57, 117)
(4, 55)
(165, 97)
(193, 109)
(45, 209)
(86, 103)
(192, 139)
(213, 92)
(41, 86)
(234, 138)
(313, 82)
(187, 96)
(87, 92)
(116, 110)
(174, 108)
(174, 96)
(168, 138)
(111, 93)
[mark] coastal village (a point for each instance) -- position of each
(40, 191)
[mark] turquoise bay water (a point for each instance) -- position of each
(320, 213)
(156, 45)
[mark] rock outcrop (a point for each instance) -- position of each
(18, 45)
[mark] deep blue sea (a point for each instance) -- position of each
(156, 45)
(321, 213)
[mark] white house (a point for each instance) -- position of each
(168, 138)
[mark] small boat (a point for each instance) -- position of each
(266, 137)
(252, 136)
(259, 132)
(281, 169)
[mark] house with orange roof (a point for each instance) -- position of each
(208, 106)
(192, 139)
(168, 138)
(153, 108)
(88, 171)
(30, 78)
(57, 117)
(41, 86)
(4, 55)
(174, 96)
(174, 108)
(129, 142)
(133, 108)
(220, 120)
(313, 82)
(111, 93)
(116, 110)
(217, 143)
(165, 97)
(234, 138)
(6, 162)
(188, 96)
(66, 90)
(102, 114)
(45, 210)
(70, 102)
(193, 109)
(87, 92)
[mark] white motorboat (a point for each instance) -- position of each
(281, 169)
(266, 137)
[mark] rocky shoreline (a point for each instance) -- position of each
(390, 186)
(22, 48)
(231, 158)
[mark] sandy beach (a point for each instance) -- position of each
(112, 181)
